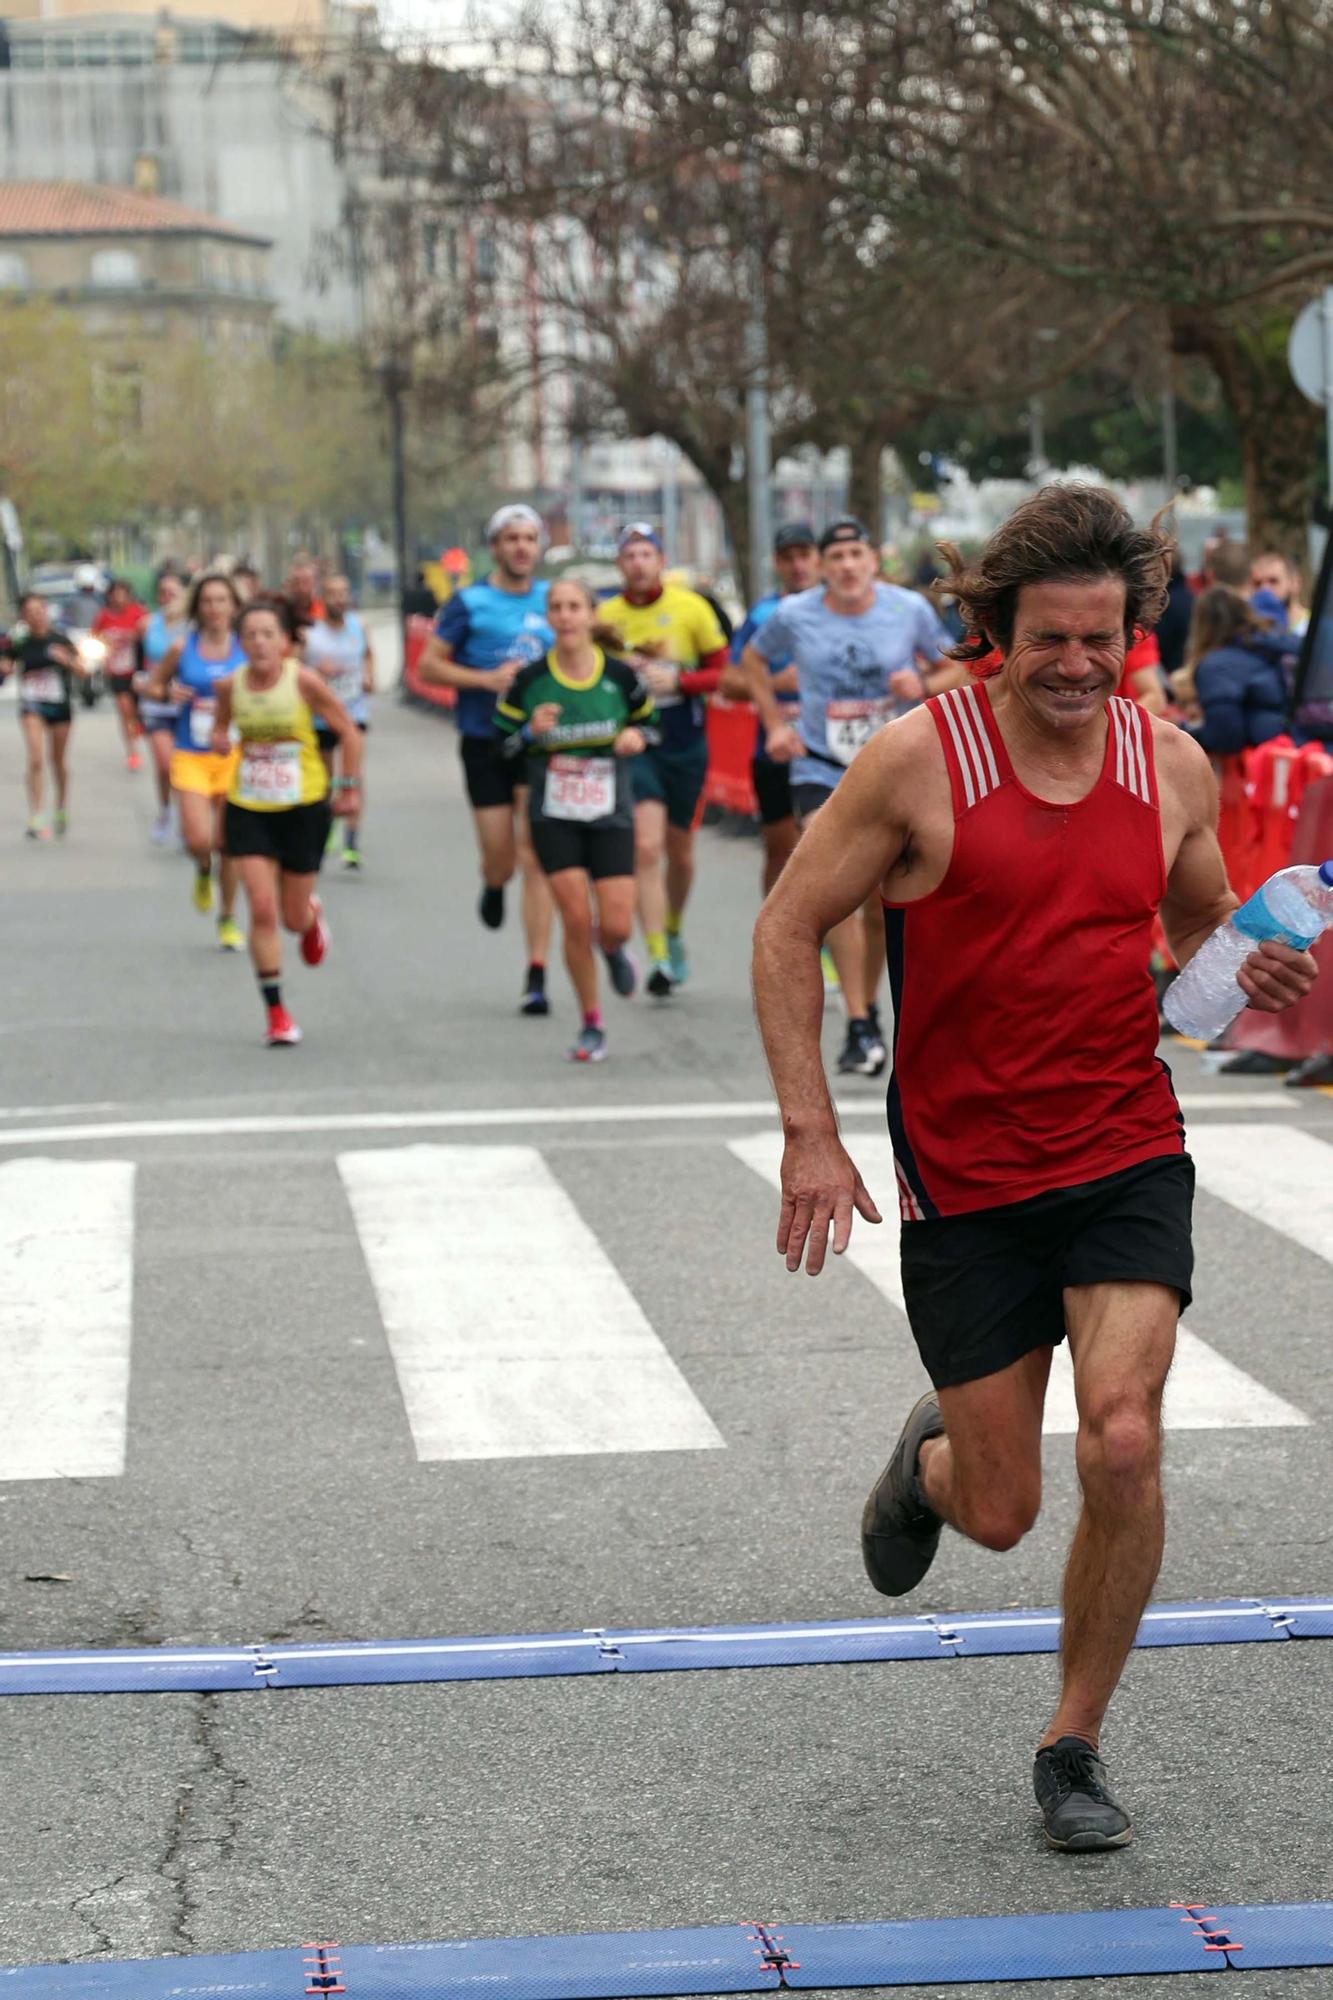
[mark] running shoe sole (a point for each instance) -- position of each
(899, 1537)
(286, 1040)
(578, 1055)
(535, 1004)
(316, 941)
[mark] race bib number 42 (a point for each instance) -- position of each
(270, 774)
(849, 726)
(581, 788)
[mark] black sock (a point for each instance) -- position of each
(271, 991)
(204, 874)
(536, 978)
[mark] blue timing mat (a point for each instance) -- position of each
(223, 1669)
(734, 1958)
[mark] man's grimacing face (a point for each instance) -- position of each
(1067, 654)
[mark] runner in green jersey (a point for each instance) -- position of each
(578, 716)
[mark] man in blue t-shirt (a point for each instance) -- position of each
(865, 652)
(796, 560)
(483, 635)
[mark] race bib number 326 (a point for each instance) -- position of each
(580, 788)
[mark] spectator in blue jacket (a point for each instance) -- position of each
(1234, 684)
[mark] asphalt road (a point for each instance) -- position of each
(275, 1483)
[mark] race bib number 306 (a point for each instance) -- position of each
(580, 788)
(849, 726)
(270, 774)
(43, 684)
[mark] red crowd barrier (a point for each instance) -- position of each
(418, 631)
(732, 729)
(1306, 1029)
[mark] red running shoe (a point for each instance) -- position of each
(282, 1029)
(315, 941)
(134, 761)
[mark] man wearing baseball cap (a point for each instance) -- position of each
(865, 652)
(673, 636)
(796, 560)
(483, 635)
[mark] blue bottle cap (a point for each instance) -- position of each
(1326, 873)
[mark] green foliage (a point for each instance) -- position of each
(105, 437)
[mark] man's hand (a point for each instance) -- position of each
(661, 679)
(500, 679)
(820, 1185)
(629, 743)
(783, 744)
(347, 802)
(1275, 977)
(906, 684)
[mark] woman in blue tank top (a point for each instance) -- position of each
(205, 654)
(159, 717)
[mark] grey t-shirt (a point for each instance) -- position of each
(844, 666)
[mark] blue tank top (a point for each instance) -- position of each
(194, 724)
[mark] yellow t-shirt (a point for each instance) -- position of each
(278, 765)
(679, 628)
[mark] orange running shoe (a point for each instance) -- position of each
(315, 941)
(282, 1029)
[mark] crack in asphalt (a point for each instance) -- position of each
(205, 1819)
(103, 1941)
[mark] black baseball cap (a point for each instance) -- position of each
(845, 529)
(794, 535)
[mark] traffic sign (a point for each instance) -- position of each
(1310, 358)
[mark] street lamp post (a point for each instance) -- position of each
(394, 378)
(758, 441)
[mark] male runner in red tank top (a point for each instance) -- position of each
(1023, 832)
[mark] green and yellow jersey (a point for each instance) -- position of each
(572, 769)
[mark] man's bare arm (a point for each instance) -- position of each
(439, 668)
(1199, 897)
(843, 855)
(759, 687)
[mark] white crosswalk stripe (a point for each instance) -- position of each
(1205, 1390)
(66, 1273)
(513, 1334)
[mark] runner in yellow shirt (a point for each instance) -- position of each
(278, 813)
(673, 637)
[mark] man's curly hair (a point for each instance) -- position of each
(1069, 530)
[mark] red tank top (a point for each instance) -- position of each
(1025, 1022)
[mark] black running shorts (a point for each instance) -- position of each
(491, 780)
(772, 790)
(808, 798)
(982, 1290)
(293, 836)
(603, 851)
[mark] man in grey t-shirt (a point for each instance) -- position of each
(865, 652)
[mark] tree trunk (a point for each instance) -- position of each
(865, 481)
(1277, 429)
(733, 497)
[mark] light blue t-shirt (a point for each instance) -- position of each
(339, 653)
(844, 666)
(485, 627)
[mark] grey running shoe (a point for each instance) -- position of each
(1078, 1811)
(590, 1046)
(899, 1533)
(623, 970)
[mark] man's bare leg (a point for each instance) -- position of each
(1123, 1337)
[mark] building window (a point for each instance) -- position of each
(115, 267)
(13, 270)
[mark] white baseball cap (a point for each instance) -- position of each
(515, 514)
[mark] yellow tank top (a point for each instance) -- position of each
(279, 765)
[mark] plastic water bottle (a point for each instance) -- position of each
(1294, 907)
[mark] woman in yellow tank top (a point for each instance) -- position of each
(278, 812)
